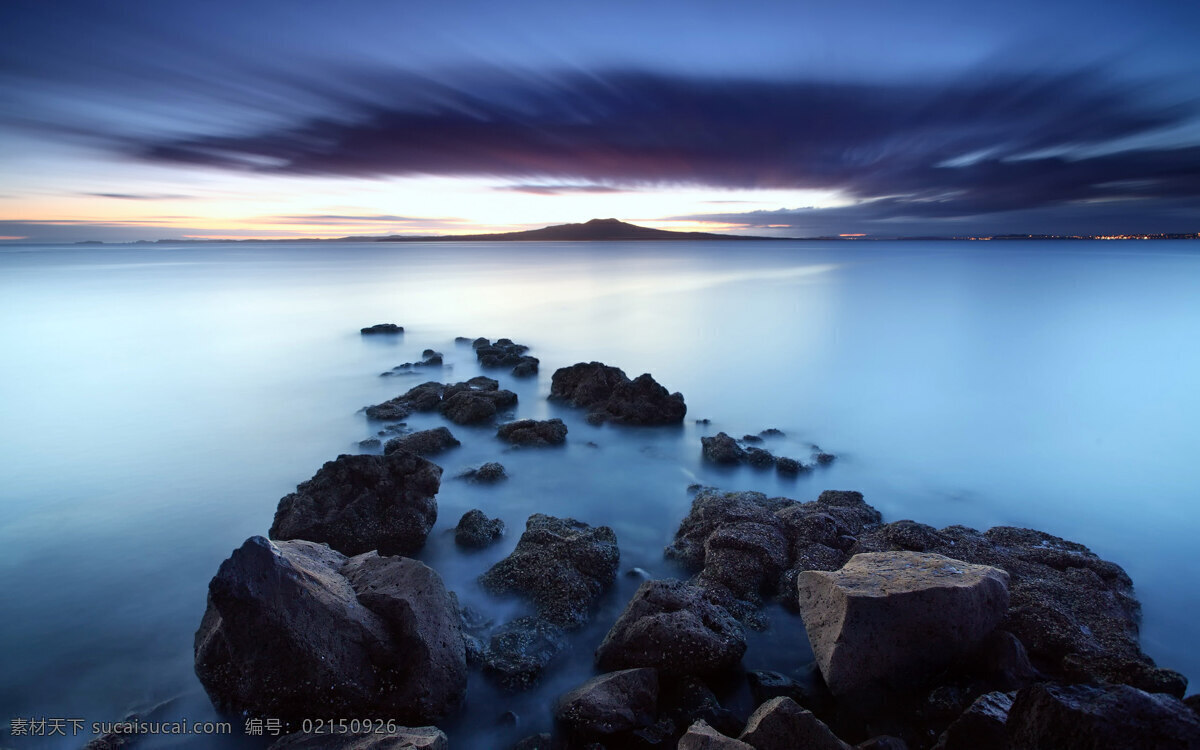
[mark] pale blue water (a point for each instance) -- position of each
(156, 402)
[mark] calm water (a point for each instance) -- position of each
(156, 402)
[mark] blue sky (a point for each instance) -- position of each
(145, 119)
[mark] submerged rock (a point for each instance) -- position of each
(487, 473)
(533, 432)
(609, 395)
(361, 503)
(1066, 717)
(382, 328)
(721, 449)
(560, 565)
(520, 650)
(475, 530)
(674, 627)
(893, 619)
(400, 738)
(506, 353)
(611, 703)
(424, 397)
(477, 400)
(423, 442)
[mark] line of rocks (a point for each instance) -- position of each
(724, 449)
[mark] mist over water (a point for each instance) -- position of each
(156, 402)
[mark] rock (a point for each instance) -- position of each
(781, 724)
(981, 726)
(461, 340)
(477, 400)
(765, 685)
(883, 742)
(505, 353)
(520, 650)
(609, 395)
(1193, 702)
(369, 443)
(425, 626)
(488, 473)
(1074, 612)
(687, 699)
(789, 466)
(771, 432)
(893, 619)
(423, 397)
(480, 342)
(423, 442)
(1002, 661)
(533, 432)
(1071, 717)
(475, 530)
(611, 703)
(700, 736)
(526, 367)
(382, 328)
(561, 565)
(361, 503)
(284, 636)
(541, 741)
(721, 449)
(751, 439)
(824, 459)
(674, 627)
(400, 738)
(759, 458)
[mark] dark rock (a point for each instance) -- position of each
(475, 530)
(400, 738)
(424, 397)
(781, 724)
(700, 736)
(765, 685)
(871, 623)
(759, 458)
(526, 367)
(721, 449)
(771, 432)
(520, 650)
(1001, 659)
(789, 466)
(382, 328)
(824, 459)
(369, 443)
(361, 503)
(461, 340)
(614, 702)
(285, 636)
(751, 439)
(535, 742)
(1070, 717)
(883, 742)
(533, 432)
(480, 343)
(609, 395)
(423, 442)
(477, 400)
(705, 420)
(981, 726)
(687, 699)
(674, 627)
(487, 473)
(561, 565)
(504, 353)
(1193, 702)
(424, 623)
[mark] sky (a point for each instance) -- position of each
(127, 120)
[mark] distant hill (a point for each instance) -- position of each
(596, 230)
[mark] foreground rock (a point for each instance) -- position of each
(476, 531)
(287, 635)
(609, 395)
(382, 328)
(560, 565)
(533, 432)
(360, 503)
(611, 703)
(400, 738)
(781, 724)
(894, 619)
(423, 442)
(1075, 613)
(1071, 717)
(676, 628)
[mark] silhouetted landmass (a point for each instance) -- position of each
(596, 230)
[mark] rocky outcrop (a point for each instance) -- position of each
(429, 358)
(533, 432)
(609, 395)
(894, 619)
(519, 651)
(723, 449)
(781, 724)
(1079, 717)
(477, 400)
(609, 704)
(1075, 613)
(423, 397)
(423, 442)
(288, 635)
(400, 738)
(676, 628)
(361, 503)
(486, 473)
(700, 736)
(476, 531)
(505, 353)
(560, 565)
(382, 328)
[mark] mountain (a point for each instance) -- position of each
(596, 230)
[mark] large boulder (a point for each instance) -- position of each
(781, 724)
(425, 626)
(611, 703)
(360, 503)
(893, 619)
(676, 628)
(609, 395)
(1084, 717)
(533, 432)
(1075, 613)
(423, 442)
(476, 531)
(560, 565)
(285, 635)
(399, 738)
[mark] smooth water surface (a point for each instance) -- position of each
(157, 401)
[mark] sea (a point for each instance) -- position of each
(156, 402)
